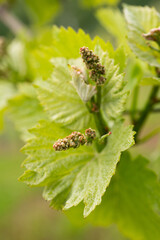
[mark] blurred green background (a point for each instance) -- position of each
(24, 214)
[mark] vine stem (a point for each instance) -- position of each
(99, 121)
(98, 118)
(140, 122)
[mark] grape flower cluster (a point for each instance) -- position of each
(90, 135)
(92, 61)
(74, 140)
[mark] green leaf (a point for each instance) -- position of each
(155, 164)
(63, 104)
(114, 95)
(141, 20)
(132, 201)
(120, 58)
(74, 175)
(84, 90)
(66, 43)
(150, 81)
(113, 21)
(25, 110)
(37, 55)
(134, 73)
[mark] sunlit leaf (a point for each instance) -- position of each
(84, 90)
(74, 175)
(150, 81)
(131, 201)
(141, 20)
(63, 104)
(113, 21)
(67, 42)
(114, 95)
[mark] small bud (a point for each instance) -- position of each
(153, 35)
(103, 138)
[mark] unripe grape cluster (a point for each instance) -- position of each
(92, 62)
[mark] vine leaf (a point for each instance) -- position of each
(132, 201)
(74, 175)
(150, 81)
(114, 95)
(111, 19)
(65, 49)
(141, 20)
(66, 43)
(63, 104)
(84, 90)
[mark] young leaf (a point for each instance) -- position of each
(66, 43)
(62, 102)
(120, 58)
(134, 73)
(131, 201)
(113, 21)
(150, 81)
(114, 94)
(74, 175)
(140, 20)
(85, 91)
